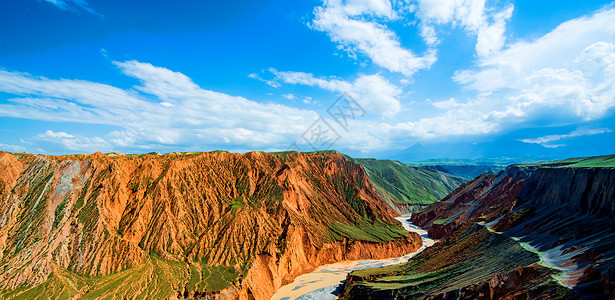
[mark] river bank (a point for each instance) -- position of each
(325, 281)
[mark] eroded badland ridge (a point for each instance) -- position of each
(534, 231)
(181, 225)
(239, 226)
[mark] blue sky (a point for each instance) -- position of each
(446, 78)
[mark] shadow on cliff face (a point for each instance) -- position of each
(562, 215)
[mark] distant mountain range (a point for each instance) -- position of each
(507, 149)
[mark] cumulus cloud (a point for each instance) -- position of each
(428, 33)
(488, 24)
(167, 109)
(372, 92)
(358, 26)
(460, 121)
(55, 135)
(567, 75)
(558, 49)
(448, 104)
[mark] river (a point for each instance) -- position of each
(326, 281)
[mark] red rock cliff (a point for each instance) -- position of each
(261, 218)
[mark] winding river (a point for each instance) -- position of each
(326, 281)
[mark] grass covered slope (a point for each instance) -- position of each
(603, 161)
(473, 263)
(156, 278)
(406, 184)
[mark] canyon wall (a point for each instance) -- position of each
(179, 225)
(562, 212)
(587, 190)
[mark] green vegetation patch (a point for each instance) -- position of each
(59, 212)
(471, 255)
(603, 161)
(443, 221)
(158, 278)
(379, 232)
(409, 184)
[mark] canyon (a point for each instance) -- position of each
(533, 231)
(326, 281)
(185, 225)
(220, 225)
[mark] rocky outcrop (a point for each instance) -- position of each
(486, 197)
(586, 190)
(520, 283)
(185, 224)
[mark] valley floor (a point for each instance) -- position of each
(326, 281)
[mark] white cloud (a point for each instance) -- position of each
(546, 140)
(448, 104)
(584, 85)
(359, 26)
(72, 5)
(568, 75)
(271, 83)
(11, 148)
(450, 123)
(163, 83)
(74, 143)
(356, 26)
(372, 92)
(428, 33)
(289, 96)
(560, 48)
(167, 108)
(55, 135)
(486, 23)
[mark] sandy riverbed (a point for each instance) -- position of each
(324, 282)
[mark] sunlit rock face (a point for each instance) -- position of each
(184, 225)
